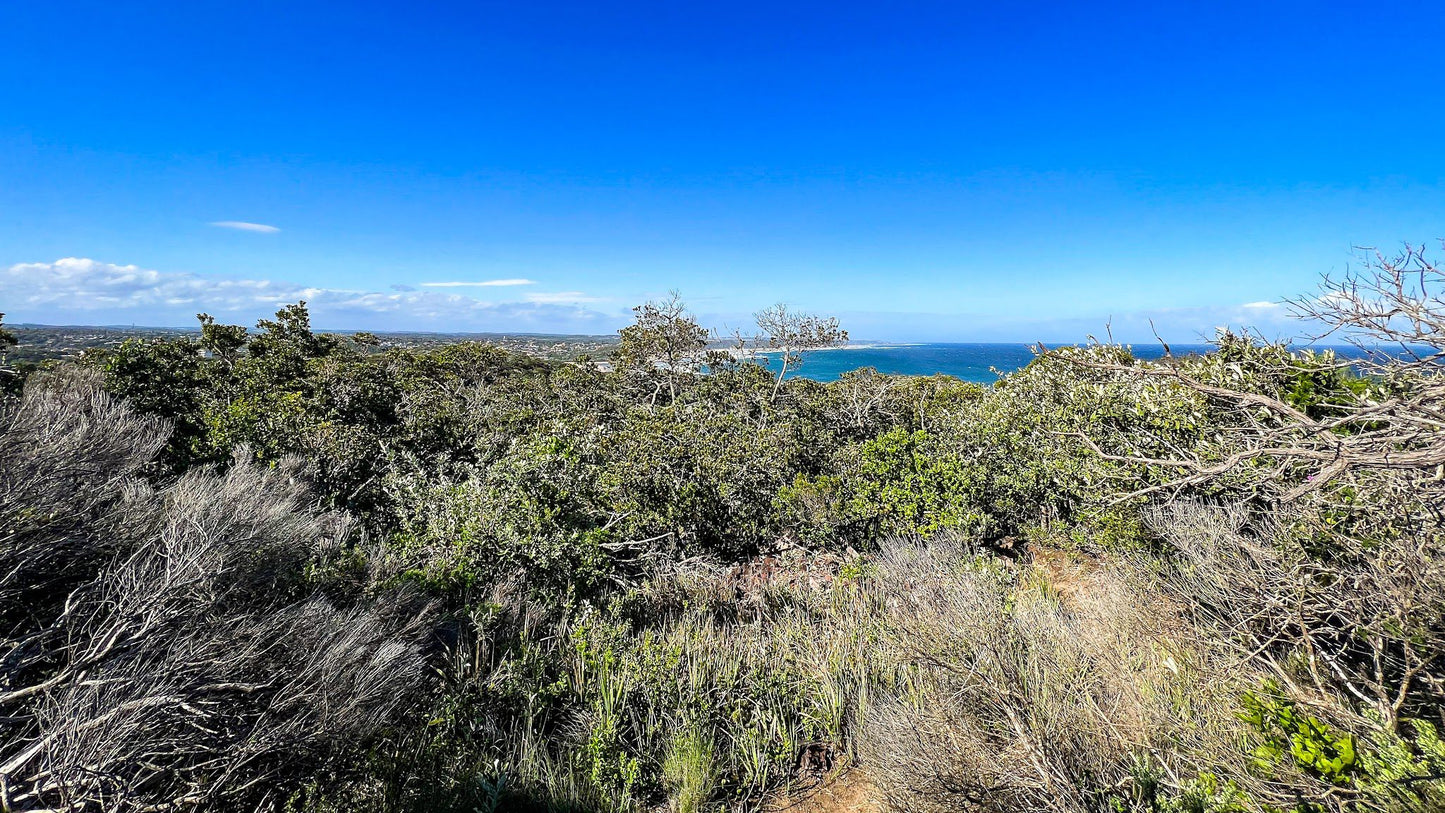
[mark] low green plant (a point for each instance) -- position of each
(1286, 731)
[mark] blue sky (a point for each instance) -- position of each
(951, 171)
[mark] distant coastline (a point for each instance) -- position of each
(750, 352)
(980, 363)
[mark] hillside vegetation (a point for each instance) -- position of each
(276, 569)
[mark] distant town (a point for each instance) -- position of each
(39, 343)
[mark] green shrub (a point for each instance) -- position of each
(1288, 732)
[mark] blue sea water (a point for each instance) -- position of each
(970, 362)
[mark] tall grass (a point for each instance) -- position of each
(961, 681)
(957, 680)
(687, 691)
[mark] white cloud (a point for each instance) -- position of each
(241, 225)
(1341, 299)
(1260, 305)
(491, 283)
(76, 290)
(563, 298)
(1179, 326)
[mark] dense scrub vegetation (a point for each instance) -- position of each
(281, 570)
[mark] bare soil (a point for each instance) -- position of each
(847, 791)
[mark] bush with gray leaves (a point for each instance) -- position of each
(177, 646)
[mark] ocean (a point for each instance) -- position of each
(970, 362)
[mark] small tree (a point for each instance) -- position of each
(666, 339)
(223, 341)
(365, 338)
(290, 332)
(7, 338)
(1391, 307)
(792, 334)
(10, 379)
(7, 341)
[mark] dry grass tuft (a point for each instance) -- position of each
(1024, 699)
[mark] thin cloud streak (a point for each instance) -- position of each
(490, 283)
(1177, 325)
(563, 298)
(241, 225)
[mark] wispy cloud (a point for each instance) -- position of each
(490, 283)
(1177, 325)
(241, 225)
(76, 290)
(564, 298)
